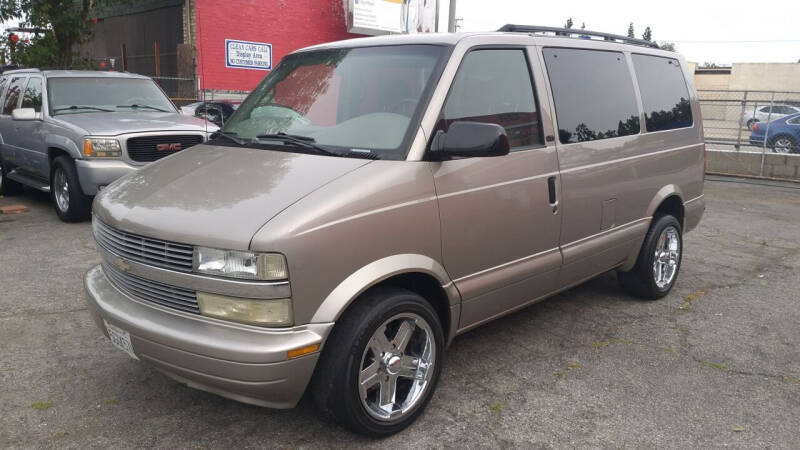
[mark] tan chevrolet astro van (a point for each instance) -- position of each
(374, 198)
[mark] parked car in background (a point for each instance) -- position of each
(71, 133)
(766, 113)
(217, 112)
(373, 198)
(784, 134)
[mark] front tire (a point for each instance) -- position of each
(750, 124)
(381, 363)
(659, 260)
(65, 189)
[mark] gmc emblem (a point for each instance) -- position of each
(168, 147)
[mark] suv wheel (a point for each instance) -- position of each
(659, 260)
(71, 205)
(750, 123)
(7, 186)
(381, 363)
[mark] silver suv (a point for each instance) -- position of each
(72, 133)
(373, 198)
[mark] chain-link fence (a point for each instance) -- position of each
(752, 132)
(182, 91)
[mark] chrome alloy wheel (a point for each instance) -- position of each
(782, 145)
(667, 257)
(397, 367)
(61, 190)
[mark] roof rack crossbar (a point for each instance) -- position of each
(573, 32)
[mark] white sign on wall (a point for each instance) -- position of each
(392, 16)
(248, 55)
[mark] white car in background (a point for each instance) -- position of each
(766, 114)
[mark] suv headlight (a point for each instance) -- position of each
(101, 148)
(238, 264)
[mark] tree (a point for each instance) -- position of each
(647, 35)
(583, 27)
(630, 31)
(568, 25)
(668, 46)
(67, 23)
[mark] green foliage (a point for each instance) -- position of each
(630, 31)
(568, 25)
(648, 34)
(668, 46)
(64, 23)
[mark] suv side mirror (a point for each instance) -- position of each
(471, 139)
(24, 114)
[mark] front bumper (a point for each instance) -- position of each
(95, 174)
(241, 362)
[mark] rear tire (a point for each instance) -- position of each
(783, 144)
(65, 189)
(750, 124)
(7, 186)
(366, 353)
(659, 260)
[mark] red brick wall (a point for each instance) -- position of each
(286, 24)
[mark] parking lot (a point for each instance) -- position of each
(716, 363)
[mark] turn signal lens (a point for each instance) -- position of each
(302, 351)
(267, 313)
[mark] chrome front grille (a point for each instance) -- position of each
(152, 291)
(154, 252)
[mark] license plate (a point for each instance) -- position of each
(121, 339)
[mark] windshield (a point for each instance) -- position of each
(355, 100)
(87, 95)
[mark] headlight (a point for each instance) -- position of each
(275, 313)
(237, 264)
(101, 148)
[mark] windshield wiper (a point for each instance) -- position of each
(230, 135)
(300, 141)
(77, 107)
(135, 106)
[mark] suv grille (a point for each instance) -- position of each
(152, 148)
(154, 252)
(152, 291)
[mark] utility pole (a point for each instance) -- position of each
(451, 24)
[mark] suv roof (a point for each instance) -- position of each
(61, 73)
(547, 35)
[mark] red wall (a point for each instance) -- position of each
(286, 24)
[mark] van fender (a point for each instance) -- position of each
(63, 143)
(373, 273)
(662, 194)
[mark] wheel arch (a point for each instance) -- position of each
(669, 200)
(418, 273)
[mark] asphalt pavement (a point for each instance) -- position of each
(714, 364)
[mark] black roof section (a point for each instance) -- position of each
(569, 32)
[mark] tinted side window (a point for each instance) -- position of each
(13, 94)
(665, 96)
(32, 98)
(593, 94)
(794, 121)
(495, 86)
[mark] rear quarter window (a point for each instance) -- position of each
(593, 94)
(665, 96)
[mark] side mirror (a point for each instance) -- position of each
(25, 114)
(471, 139)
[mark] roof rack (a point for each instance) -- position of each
(567, 32)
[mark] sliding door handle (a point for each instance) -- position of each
(552, 195)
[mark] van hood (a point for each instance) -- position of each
(112, 124)
(215, 196)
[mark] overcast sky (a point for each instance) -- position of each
(723, 32)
